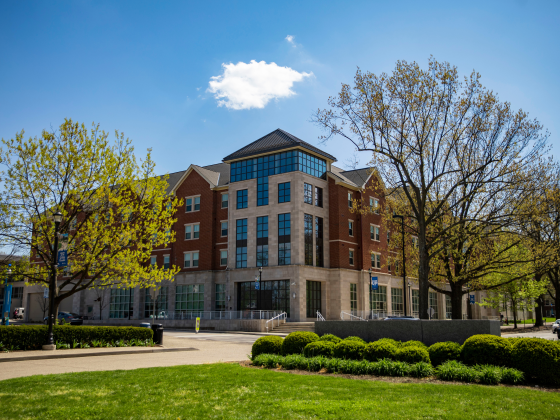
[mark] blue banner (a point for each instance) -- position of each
(62, 258)
(374, 283)
(471, 299)
(257, 285)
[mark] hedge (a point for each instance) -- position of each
(486, 349)
(539, 358)
(354, 338)
(32, 337)
(413, 355)
(270, 344)
(444, 351)
(319, 348)
(330, 337)
(389, 341)
(414, 343)
(295, 342)
(351, 349)
(380, 349)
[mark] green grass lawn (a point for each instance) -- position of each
(548, 321)
(234, 392)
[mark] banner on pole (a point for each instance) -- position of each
(62, 258)
(374, 283)
(471, 299)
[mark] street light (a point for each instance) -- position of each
(52, 286)
(398, 216)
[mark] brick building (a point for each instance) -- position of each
(281, 204)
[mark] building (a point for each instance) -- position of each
(281, 204)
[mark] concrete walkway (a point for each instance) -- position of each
(210, 348)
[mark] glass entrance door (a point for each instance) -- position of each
(272, 296)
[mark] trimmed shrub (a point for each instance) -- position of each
(330, 337)
(421, 370)
(380, 349)
(489, 375)
(295, 361)
(512, 376)
(413, 355)
(32, 337)
(538, 358)
(453, 370)
(351, 349)
(315, 364)
(295, 342)
(414, 343)
(389, 341)
(441, 352)
(319, 348)
(486, 349)
(354, 338)
(271, 344)
(268, 360)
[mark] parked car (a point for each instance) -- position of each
(405, 318)
(555, 326)
(18, 313)
(67, 316)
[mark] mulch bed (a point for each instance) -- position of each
(521, 329)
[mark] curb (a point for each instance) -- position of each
(224, 332)
(91, 354)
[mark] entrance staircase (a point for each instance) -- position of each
(288, 327)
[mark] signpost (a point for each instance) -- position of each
(374, 283)
(197, 324)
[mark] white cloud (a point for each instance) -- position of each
(254, 84)
(290, 39)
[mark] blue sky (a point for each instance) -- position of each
(145, 67)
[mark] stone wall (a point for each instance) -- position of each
(255, 325)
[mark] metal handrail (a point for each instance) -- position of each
(342, 313)
(282, 315)
(320, 317)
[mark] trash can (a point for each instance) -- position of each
(158, 333)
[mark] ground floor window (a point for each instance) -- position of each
(397, 301)
(433, 304)
(448, 314)
(189, 298)
(161, 303)
(378, 300)
(272, 296)
(415, 303)
(313, 289)
(121, 303)
(221, 297)
(353, 299)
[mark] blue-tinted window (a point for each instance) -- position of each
(262, 191)
(284, 192)
(262, 241)
(308, 238)
(284, 245)
(242, 199)
(241, 243)
(307, 193)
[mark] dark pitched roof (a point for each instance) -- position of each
(223, 170)
(173, 179)
(358, 176)
(272, 142)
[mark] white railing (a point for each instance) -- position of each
(217, 315)
(491, 318)
(278, 318)
(350, 317)
(320, 317)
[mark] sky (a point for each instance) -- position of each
(195, 81)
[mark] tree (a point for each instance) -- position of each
(43, 304)
(442, 142)
(115, 210)
(101, 300)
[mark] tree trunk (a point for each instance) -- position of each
(469, 306)
(456, 301)
(539, 311)
(423, 283)
(556, 305)
(514, 310)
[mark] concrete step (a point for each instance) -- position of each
(295, 326)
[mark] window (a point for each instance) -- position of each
(121, 303)
(241, 244)
(284, 195)
(374, 205)
(153, 259)
(224, 228)
(350, 228)
(378, 299)
(262, 191)
(350, 201)
(448, 312)
(73, 223)
(375, 260)
(374, 232)
(242, 199)
(397, 306)
(433, 304)
(319, 261)
(191, 259)
(189, 298)
(308, 238)
(313, 298)
(415, 303)
(192, 204)
(223, 257)
(353, 298)
(415, 242)
(161, 303)
(308, 193)
(166, 262)
(273, 295)
(284, 238)
(351, 256)
(262, 241)
(17, 293)
(192, 231)
(318, 197)
(220, 297)
(388, 264)
(225, 198)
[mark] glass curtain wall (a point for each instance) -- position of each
(308, 238)
(313, 298)
(433, 304)
(378, 300)
(319, 259)
(271, 296)
(161, 303)
(397, 307)
(121, 303)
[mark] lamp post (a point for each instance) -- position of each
(398, 216)
(370, 290)
(260, 302)
(52, 286)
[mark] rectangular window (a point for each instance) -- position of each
(272, 295)
(350, 228)
(224, 228)
(192, 204)
(192, 231)
(121, 303)
(284, 239)
(223, 257)
(262, 191)
(284, 193)
(160, 303)
(308, 238)
(374, 205)
(188, 232)
(241, 243)
(448, 313)
(433, 304)
(308, 193)
(196, 203)
(189, 298)
(220, 297)
(350, 201)
(353, 298)
(374, 232)
(397, 301)
(378, 300)
(225, 198)
(415, 303)
(153, 259)
(313, 298)
(319, 260)
(166, 262)
(190, 259)
(375, 260)
(242, 199)
(351, 256)
(262, 241)
(318, 197)
(17, 293)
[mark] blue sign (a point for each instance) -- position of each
(471, 299)
(257, 285)
(374, 283)
(62, 258)
(7, 303)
